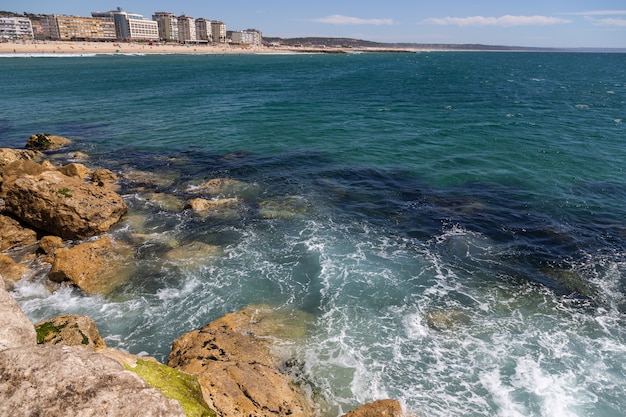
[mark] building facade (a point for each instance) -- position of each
(131, 26)
(247, 37)
(218, 30)
(16, 28)
(168, 26)
(186, 29)
(70, 28)
(203, 30)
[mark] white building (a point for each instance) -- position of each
(15, 28)
(247, 37)
(131, 26)
(203, 30)
(168, 25)
(218, 30)
(186, 29)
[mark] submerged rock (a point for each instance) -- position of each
(46, 142)
(62, 205)
(165, 201)
(225, 188)
(150, 179)
(95, 267)
(380, 408)
(71, 330)
(194, 254)
(283, 208)
(237, 370)
(222, 208)
(75, 381)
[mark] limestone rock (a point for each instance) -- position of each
(70, 330)
(283, 208)
(380, 408)
(150, 179)
(103, 175)
(8, 156)
(75, 381)
(223, 208)
(46, 142)
(12, 271)
(193, 254)
(15, 328)
(75, 170)
(224, 188)
(165, 201)
(236, 369)
(13, 234)
(48, 244)
(62, 205)
(95, 267)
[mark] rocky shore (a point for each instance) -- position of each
(56, 217)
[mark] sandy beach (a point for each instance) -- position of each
(77, 48)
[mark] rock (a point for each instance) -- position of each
(223, 208)
(15, 329)
(194, 254)
(75, 381)
(8, 156)
(224, 188)
(446, 319)
(103, 175)
(12, 271)
(283, 208)
(165, 201)
(150, 179)
(14, 235)
(75, 170)
(62, 205)
(95, 267)
(380, 408)
(236, 369)
(46, 142)
(48, 244)
(71, 330)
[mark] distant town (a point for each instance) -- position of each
(119, 25)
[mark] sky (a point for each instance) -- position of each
(535, 23)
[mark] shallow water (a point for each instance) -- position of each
(452, 222)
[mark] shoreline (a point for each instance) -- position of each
(79, 48)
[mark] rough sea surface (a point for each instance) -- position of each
(452, 224)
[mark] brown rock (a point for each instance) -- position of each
(236, 369)
(95, 267)
(194, 254)
(14, 235)
(75, 170)
(8, 156)
(62, 205)
(15, 328)
(48, 244)
(46, 142)
(380, 408)
(150, 179)
(75, 381)
(165, 201)
(71, 330)
(202, 205)
(11, 271)
(223, 187)
(103, 175)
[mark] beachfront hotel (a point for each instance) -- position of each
(15, 28)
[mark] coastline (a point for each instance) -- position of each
(79, 48)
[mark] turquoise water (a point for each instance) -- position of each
(457, 234)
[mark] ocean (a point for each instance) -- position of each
(449, 228)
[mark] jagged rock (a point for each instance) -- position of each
(95, 267)
(75, 381)
(46, 142)
(75, 170)
(14, 235)
(236, 369)
(70, 330)
(48, 244)
(224, 188)
(8, 156)
(12, 271)
(62, 205)
(103, 175)
(15, 329)
(380, 408)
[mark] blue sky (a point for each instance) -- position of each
(544, 23)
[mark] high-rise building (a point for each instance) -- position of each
(203, 30)
(218, 30)
(131, 26)
(70, 28)
(186, 29)
(247, 37)
(15, 28)
(167, 24)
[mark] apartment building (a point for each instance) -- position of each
(15, 28)
(69, 28)
(130, 26)
(247, 37)
(168, 25)
(203, 30)
(218, 30)
(186, 29)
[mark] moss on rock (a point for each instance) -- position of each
(174, 384)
